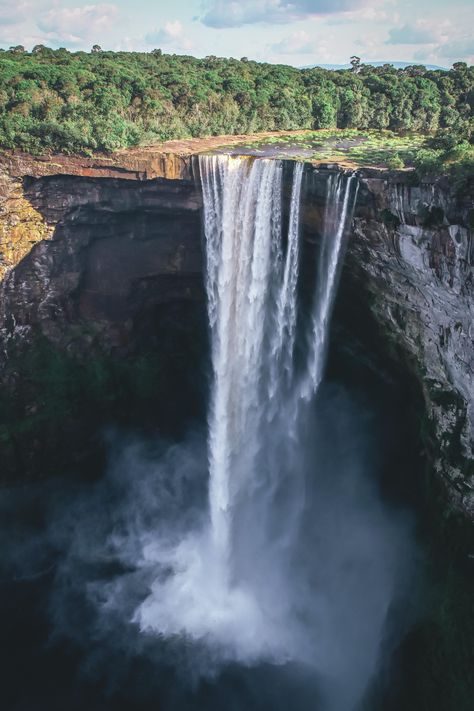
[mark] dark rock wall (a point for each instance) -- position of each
(121, 250)
(101, 324)
(118, 248)
(412, 253)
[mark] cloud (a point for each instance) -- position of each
(374, 13)
(75, 25)
(222, 13)
(10, 15)
(12, 22)
(460, 49)
(171, 35)
(171, 32)
(412, 34)
(297, 43)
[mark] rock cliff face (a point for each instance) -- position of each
(114, 248)
(89, 249)
(412, 252)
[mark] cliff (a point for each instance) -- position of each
(91, 247)
(412, 253)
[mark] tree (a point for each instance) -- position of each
(41, 49)
(157, 52)
(96, 48)
(17, 49)
(356, 64)
(415, 70)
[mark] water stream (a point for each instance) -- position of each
(252, 281)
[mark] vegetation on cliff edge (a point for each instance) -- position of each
(79, 102)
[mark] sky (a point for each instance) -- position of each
(298, 32)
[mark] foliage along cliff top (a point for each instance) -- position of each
(101, 101)
(84, 103)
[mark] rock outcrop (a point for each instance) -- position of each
(21, 226)
(113, 249)
(89, 246)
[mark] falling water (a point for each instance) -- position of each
(223, 582)
(340, 200)
(254, 567)
(241, 198)
(253, 309)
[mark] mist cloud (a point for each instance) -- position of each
(134, 580)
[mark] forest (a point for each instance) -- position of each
(55, 100)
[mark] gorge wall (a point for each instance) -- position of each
(413, 253)
(94, 253)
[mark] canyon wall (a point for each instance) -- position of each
(89, 248)
(412, 252)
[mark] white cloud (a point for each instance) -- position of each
(461, 49)
(433, 41)
(171, 31)
(222, 13)
(13, 19)
(373, 12)
(11, 14)
(170, 36)
(412, 34)
(76, 25)
(298, 42)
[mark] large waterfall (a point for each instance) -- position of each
(252, 281)
(256, 554)
(283, 565)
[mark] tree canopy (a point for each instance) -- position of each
(101, 101)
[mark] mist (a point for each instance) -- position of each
(316, 619)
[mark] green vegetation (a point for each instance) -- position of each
(444, 153)
(447, 154)
(102, 101)
(436, 658)
(363, 148)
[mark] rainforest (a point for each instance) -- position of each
(80, 101)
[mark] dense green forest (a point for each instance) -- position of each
(102, 101)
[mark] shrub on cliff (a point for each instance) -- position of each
(429, 161)
(451, 156)
(395, 162)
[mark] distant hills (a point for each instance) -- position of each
(397, 65)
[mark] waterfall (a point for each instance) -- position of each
(252, 290)
(241, 197)
(283, 342)
(222, 583)
(340, 199)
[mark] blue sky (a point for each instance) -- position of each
(294, 32)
